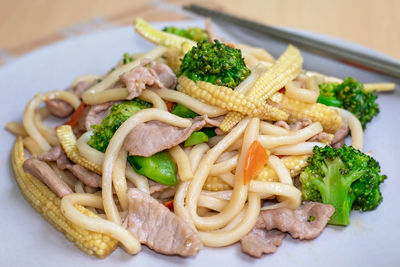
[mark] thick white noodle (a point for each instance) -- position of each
(113, 77)
(130, 243)
(289, 192)
(29, 120)
(357, 134)
(270, 129)
(280, 169)
(196, 185)
(115, 146)
(97, 157)
(190, 102)
(271, 141)
(196, 154)
(304, 148)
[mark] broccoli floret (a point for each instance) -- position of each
(196, 34)
(350, 95)
(103, 132)
(215, 63)
(343, 177)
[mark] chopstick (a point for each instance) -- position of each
(352, 56)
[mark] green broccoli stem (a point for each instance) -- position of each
(335, 190)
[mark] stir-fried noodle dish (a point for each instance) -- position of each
(199, 142)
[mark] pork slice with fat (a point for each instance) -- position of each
(307, 222)
(43, 172)
(158, 136)
(158, 228)
(62, 109)
(148, 73)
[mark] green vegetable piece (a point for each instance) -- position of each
(210, 132)
(329, 101)
(215, 63)
(353, 98)
(103, 132)
(344, 177)
(196, 34)
(184, 112)
(159, 167)
(196, 138)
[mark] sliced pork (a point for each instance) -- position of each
(321, 137)
(43, 172)
(340, 134)
(298, 223)
(148, 73)
(159, 136)
(87, 177)
(158, 228)
(258, 242)
(62, 109)
(307, 222)
(94, 115)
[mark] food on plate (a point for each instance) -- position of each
(197, 143)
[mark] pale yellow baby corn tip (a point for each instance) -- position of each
(45, 202)
(68, 142)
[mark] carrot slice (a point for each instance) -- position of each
(170, 105)
(256, 157)
(73, 120)
(169, 205)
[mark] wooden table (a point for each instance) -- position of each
(26, 25)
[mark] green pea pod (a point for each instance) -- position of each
(184, 112)
(329, 101)
(159, 167)
(196, 138)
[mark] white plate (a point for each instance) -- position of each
(27, 240)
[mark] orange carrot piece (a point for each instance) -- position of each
(256, 158)
(73, 120)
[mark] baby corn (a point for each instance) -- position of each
(294, 164)
(328, 117)
(162, 38)
(214, 183)
(68, 142)
(45, 202)
(285, 69)
(225, 98)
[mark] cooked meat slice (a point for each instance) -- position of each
(53, 154)
(300, 124)
(59, 108)
(282, 124)
(259, 241)
(166, 76)
(213, 122)
(81, 87)
(148, 73)
(158, 228)
(155, 187)
(338, 144)
(341, 133)
(95, 114)
(43, 172)
(62, 109)
(159, 136)
(298, 222)
(320, 137)
(85, 176)
(58, 155)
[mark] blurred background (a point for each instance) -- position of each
(26, 24)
